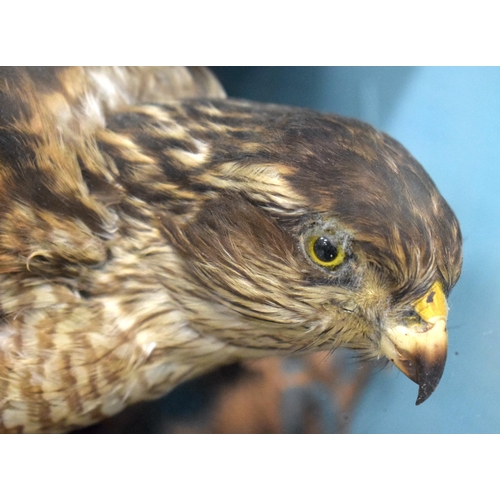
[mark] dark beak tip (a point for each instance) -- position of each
(423, 395)
(428, 381)
(425, 374)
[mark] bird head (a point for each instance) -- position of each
(308, 232)
(144, 244)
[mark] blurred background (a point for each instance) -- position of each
(449, 119)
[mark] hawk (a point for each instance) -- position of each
(152, 229)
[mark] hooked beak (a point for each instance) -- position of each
(421, 354)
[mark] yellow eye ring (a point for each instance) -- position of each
(324, 252)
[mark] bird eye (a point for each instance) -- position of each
(324, 252)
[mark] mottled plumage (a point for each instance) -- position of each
(151, 230)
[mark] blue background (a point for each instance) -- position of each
(449, 119)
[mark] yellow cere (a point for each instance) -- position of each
(433, 304)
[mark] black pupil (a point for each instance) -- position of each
(325, 250)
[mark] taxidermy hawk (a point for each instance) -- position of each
(152, 230)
